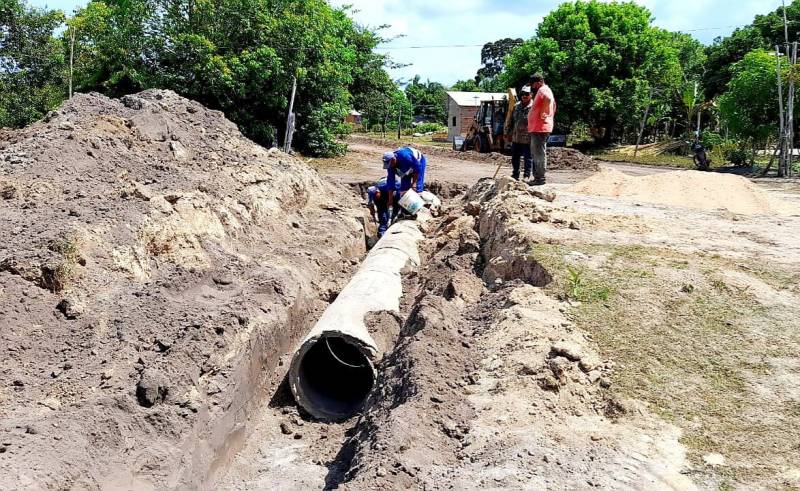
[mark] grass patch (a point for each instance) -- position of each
(57, 276)
(665, 160)
(691, 346)
(579, 287)
(778, 279)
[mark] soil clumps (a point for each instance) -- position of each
(690, 189)
(490, 384)
(154, 264)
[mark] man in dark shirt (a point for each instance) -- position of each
(520, 138)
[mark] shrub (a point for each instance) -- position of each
(736, 154)
(321, 130)
(728, 151)
(429, 127)
(711, 140)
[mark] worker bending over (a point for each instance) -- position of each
(379, 198)
(409, 165)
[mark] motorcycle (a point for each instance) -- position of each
(701, 160)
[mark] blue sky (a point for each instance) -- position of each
(474, 22)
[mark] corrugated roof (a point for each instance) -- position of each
(474, 98)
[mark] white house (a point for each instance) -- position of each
(462, 107)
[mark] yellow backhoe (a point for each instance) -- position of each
(487, 131)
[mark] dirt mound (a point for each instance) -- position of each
(557, 158)
(569, 158)
(691, 189)
(491, 385)
(154, 263)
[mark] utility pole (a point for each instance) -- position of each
(699, 119)
(782, 134)
(71, 56)
(785, 23)
(287, 139)
(644, 120)
(790, 115)
(694, 102)
(399, 121)
(785, 164)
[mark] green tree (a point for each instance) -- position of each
(748, 107)
(688, 96)
(382, 108)
(31, 63)
(466, 86)
(771, 26)
(375, 94)
(691, 55)
(603, 60)
(722, 55)
(766, 31)
(239, 56)
(492, 57)
(428, 99)
(115, 46)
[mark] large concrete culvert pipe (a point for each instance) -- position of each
(332, 371)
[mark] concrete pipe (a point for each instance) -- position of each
(332, 371)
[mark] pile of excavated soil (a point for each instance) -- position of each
(690, 189)
(490, 385)
(154, 265)
(557, 158)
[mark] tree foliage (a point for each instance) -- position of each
(235, 55)
(429, 100)
(603, 59)
(382, 109)
(748, 106)
(468, 85)
(765, 32)
(724, 53)
(31, 63)
(492, 58)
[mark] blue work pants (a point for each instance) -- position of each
(521, 151)
(382, 210)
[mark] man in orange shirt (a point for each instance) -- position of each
(540, 124)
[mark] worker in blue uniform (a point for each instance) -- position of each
(379, 198)
(408, 164)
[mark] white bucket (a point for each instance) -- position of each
(412, 202)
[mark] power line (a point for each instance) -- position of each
(447, 46)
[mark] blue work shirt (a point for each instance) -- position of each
(383, 187)
(409, 161)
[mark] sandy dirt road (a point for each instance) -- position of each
(363, 163)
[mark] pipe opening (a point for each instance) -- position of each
(335, 377)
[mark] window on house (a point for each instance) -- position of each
(454, 120)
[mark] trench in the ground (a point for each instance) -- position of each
(261, 381)
(336, 373)
(258, 384)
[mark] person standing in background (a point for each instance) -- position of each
(541, 120)
(520, 138)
